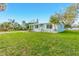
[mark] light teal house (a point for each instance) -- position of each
(46, 27)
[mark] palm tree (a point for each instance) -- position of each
(12, 21)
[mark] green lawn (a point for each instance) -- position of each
(40, 44)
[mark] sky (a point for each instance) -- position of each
(31, 11)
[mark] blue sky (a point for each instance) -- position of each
(30, 11)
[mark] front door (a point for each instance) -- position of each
(41, 27)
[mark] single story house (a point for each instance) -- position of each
(46, 27)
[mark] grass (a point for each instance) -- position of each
(40, 44)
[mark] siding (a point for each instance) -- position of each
(43, 28)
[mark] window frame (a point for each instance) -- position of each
(49, 26)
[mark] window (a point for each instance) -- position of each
(49, 26)
(41, 25)
(36, 26)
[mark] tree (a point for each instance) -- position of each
(17, 26)
(12, 21)
(5, 26)
(37, 20)
(54, 20)
(70, 14)
(24, 25)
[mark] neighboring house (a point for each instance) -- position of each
(46, 27)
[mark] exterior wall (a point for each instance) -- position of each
(43, 28)
(39, 29)
(60, 28)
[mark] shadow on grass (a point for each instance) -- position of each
(76, 32)
(70, 32)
